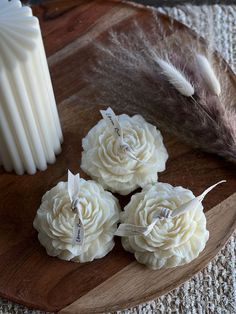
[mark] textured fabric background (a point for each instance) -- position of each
(214, 289)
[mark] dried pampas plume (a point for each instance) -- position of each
(168, 77)
(176, 78)
(208, 74)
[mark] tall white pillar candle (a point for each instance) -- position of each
(30, 131)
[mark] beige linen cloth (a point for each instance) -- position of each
(214, 289)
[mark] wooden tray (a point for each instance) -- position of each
(27, 274)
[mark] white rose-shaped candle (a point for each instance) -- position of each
(77, 220)
(123, 153)
(164, 226)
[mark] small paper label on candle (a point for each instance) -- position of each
(73, 191)
(78, 233)
(113, 121)
(131, 230)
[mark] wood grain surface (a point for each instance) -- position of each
(27, 274)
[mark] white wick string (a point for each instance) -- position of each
(110, 117)
(163, 213)
(73, 191)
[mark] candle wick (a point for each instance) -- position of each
(75, 204)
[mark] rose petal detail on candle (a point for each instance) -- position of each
(163, 242)
(113, 122)
(113, 168)
(55, 221)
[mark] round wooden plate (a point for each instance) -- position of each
(27, 274)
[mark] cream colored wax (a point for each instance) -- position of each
(30, 131)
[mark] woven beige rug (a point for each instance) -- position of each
(214, 289)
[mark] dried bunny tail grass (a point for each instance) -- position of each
(126, 75)
(176, 78)
(208, 74)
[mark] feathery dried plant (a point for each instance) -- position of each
(172, 76)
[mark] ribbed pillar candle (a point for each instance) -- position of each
(30, 131)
